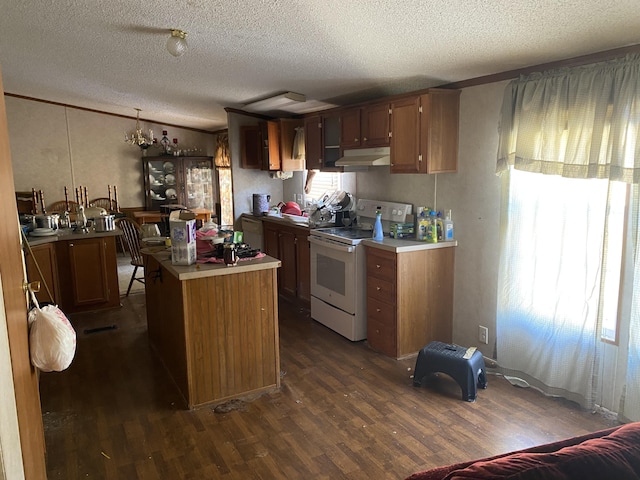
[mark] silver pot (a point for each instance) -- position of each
(104, 223)
(47, 221)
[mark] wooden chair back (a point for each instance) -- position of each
(108, 204)
(131, 235)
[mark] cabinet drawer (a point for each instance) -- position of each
(382, 312)
(381, 266)
(383, 290)
(381, 337)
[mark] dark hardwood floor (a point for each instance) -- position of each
(343, 411)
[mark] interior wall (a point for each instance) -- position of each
(53, 146)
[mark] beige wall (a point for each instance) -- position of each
(54, 146)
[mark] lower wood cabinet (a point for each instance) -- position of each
(42, 266)
(409, 299)
(88, 273)
(290, 245)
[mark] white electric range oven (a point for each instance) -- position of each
(338, 268)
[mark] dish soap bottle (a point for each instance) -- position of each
(447, 227)
(432, 228)
(378, 235)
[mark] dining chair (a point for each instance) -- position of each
(108, 204)
(61, 206)
(131, 236)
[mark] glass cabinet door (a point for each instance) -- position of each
(162, 182)
(199, 184)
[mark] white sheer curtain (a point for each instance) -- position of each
(580, 128)
(549, 283)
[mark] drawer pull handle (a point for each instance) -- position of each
(378, 288)
(378, 310)
(377, 331)
(377, 266)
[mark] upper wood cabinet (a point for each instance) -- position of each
(364, 127)
(350, 128)
(424, 133)
(269, 145)
(374, 125)
(251, 146)
(313, 142)
(322, 142)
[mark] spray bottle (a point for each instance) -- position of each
(378, 235)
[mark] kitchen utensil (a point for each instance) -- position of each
(342, 201)
(290, 208)
(47, 221)
(104, 223)
(42, 232)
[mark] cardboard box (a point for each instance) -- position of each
(182, 229)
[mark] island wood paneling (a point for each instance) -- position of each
(217, 335)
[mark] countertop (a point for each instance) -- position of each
(399, 245)
(68, 234)
(203, 270)
(286, 220)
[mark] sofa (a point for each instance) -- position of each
(613, 453)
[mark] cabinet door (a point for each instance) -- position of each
(288, 160)
(405, 137)
(88, 266)
(331, 142)
(303, 266)
(375, 125)
(270, 145)
(162, 177)
(350, 128)
(439, 130)
(42, 267)
(313, 142)
(199, 185)
(251, 146)
(288, 273)
(271, 245)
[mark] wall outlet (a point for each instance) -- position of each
(483, 335)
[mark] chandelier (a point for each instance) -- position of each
(138, 138)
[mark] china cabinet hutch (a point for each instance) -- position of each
(187, 181)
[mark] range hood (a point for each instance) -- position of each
(365, 157)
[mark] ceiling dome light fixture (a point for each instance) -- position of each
(177, 43)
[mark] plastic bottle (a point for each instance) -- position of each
(432, 228)
(421, 227)
(447, 227)
(378, 235)
(439, 226)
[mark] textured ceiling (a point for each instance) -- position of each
(110, 55)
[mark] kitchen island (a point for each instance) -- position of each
(214, 327)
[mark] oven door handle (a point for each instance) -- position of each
(332, 245)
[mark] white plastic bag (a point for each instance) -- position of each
(52, 339)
